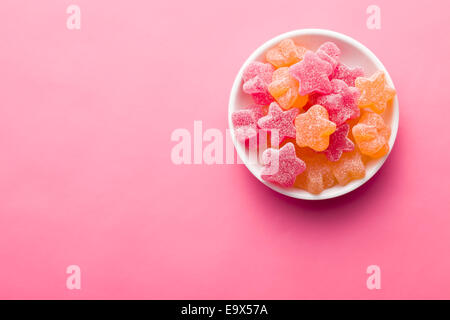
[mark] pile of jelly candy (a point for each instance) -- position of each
(328, 117)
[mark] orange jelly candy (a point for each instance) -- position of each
(285, 54)
(318, 175)
(375, 93)
(349, 167)
(372, 135)
(284, 89)
(314, 128)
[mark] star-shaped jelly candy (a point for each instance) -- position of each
(245, 122)
(285, 54)
(312, 73)
(257, 76)
(329, 52)
(375, 92)
(347, 74)
(349, 167)
(372, 135)
(279, 122)
(339, 143)
(314, 128)
(281, 166)
(284, 88)
(341, 103)
(318, 175)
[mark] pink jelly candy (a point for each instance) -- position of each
(341, 103)
(312, 73)
(279, 120)
(245, 122)
(339, 143)
(329, 52)
(347, 74)
(282, 166)
(257, 76)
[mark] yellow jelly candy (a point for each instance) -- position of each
(372, 135)
(349, 167)
(285, 54)
(375, 93)
(314, 128)
(284, 89)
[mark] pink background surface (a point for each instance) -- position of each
(86, 176)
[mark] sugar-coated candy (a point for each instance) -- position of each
(318, 175)
(375, 92)
(329, 52)
(257, 77)
(279, 120)
(281, 166)
(313, 74)
(341, 103)
(245, 122)
(284, 88)
(285, 54)
(372, 135)
(320, 119)
(258, 69)
(314, 128)
(349, 167)
(347, 74)
(339, 143)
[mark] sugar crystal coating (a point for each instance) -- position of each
(281, 166)
(339, 143)
(285, 54)
(330, 53)
(258, 69)
(372, 135)
(257, 77)
(330, 49)
(349, 167)
(347, 74)
(318, 175)
(245, 122)
(284, 88)
(280, 121)
(341, 103)
(375, 92)
(312, 73)
(314, 128)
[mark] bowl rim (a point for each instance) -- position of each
(300, 193)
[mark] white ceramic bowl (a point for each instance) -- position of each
(353, 54)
